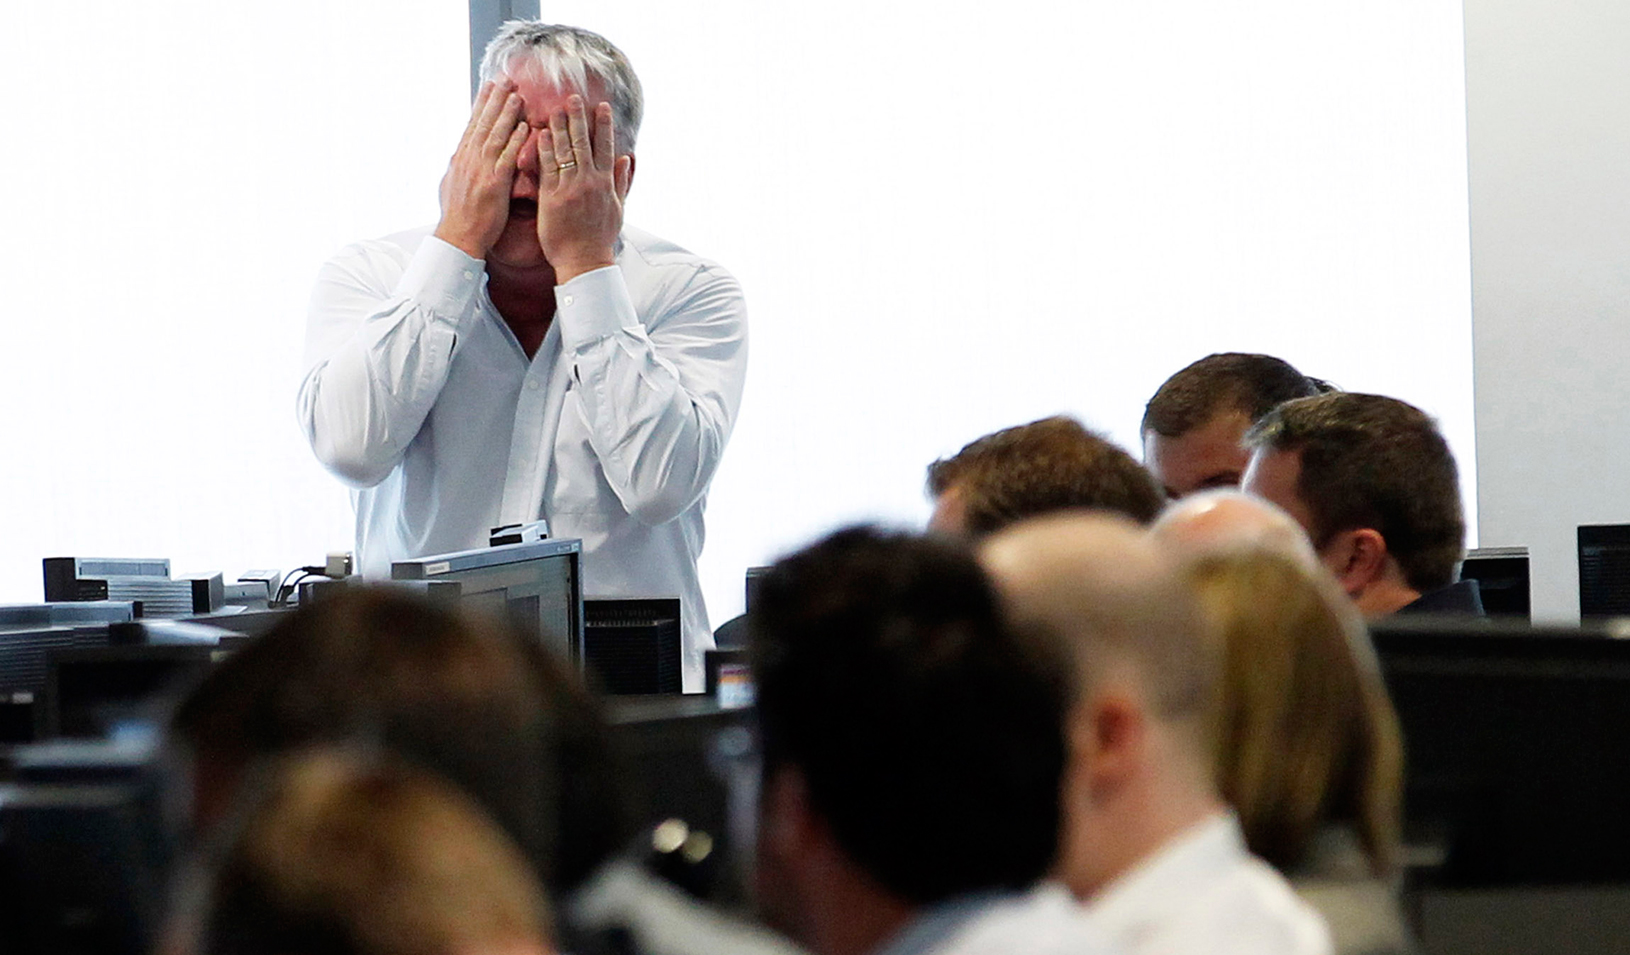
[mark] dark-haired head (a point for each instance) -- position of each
(925, 734)
(1192, 426)
(1357, 469)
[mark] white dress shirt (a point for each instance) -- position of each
(1205, 892)
(1045, 921)
(419, 397)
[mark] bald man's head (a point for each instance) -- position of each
(1100, 585)
(1225, 521)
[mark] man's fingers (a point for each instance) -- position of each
(578, 124)
(504, 126)
(548, 169)
(605, 138)
(560, 139)
(490, 111)
(480, 107)
(512, 149)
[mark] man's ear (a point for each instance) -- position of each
(623, 175)
(1357, 559)
(1107, 741)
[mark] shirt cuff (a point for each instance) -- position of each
(593, 306)
(443, 279)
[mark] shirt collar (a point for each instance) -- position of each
(1169, 877)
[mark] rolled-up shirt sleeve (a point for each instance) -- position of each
(377, 355)
(660, 395)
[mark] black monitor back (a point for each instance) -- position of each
(1514, 742)
(1604, 570)
(1502, 580)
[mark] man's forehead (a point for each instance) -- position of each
(1188, 461)
(534, 83)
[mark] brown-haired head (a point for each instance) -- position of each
(1053, 464)
(1368, 462)
(468, 697)
(1307, 738)
(1192, 426)
(332, 853)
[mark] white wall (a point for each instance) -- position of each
(173, 173)
(948, 219)
(1548, 94)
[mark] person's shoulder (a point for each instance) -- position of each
(385, 253)
(1258, 902)
(1045, 921)
(661, 256)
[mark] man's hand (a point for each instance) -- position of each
(580, 197)
(475, 191)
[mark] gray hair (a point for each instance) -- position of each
(569, 56)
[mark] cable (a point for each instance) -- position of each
(286, 589)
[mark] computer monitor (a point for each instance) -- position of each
(85, 853)
(26, 653)
(537, 584)
(1514, 742)
(681, 757)
(121, 692)
(1604, 570)
(1502, 579)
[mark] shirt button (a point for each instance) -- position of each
(532, 384)
(468, 274)
(568, 300)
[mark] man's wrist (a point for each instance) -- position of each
(460, 240)
(571, 267)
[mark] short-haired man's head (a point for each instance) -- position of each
(1369, 461)
(1307, 737)
(1192, 426)
(1227, 381)
(1097, 586)
(467, 697)
(335, 854)
(1049, 465)
(928, 735)
(570, 56)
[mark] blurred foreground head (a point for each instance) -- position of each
(1049, 465)
(468, 698)
(912, 743)
(1140, 731)
(1228, 521)
(1308, 742)
(335, 854)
